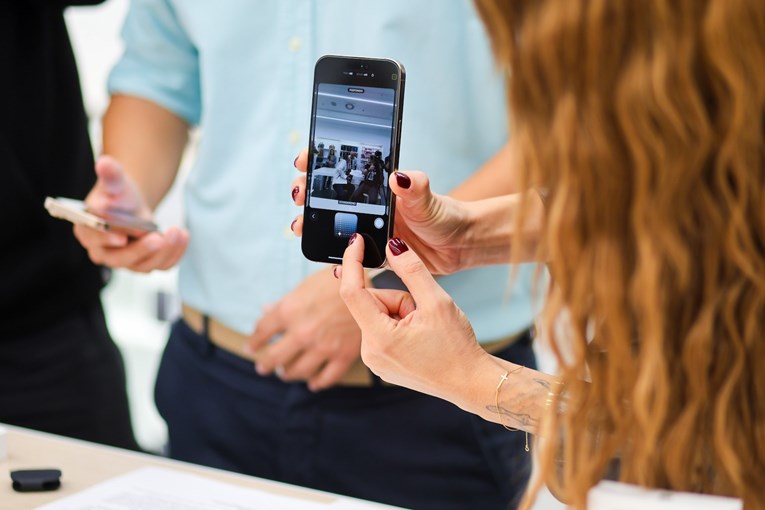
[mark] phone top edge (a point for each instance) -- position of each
(326, 63)
(332, 56)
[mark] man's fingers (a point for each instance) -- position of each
(111, 177)
(269, 325)
(412, 271)
(90, 237)
(302, 366)
(132, 254)
(175, 243)
(329, 375)
(277, 356)
(181, 242)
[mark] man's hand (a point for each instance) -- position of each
(115, 189)
(319, 341)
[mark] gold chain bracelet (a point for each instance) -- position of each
(502, 380)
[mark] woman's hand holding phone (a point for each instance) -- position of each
(393, 326)
(434, 225)
(114, 189)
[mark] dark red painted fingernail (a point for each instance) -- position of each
(334, 272)
(403, 180)
(397, 246)
(294, 163)
(295, 191)
(353, 238)
(292, 225)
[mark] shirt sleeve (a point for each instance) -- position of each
(160, 62)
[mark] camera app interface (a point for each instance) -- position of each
(351, 152)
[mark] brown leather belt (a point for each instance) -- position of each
(233, 342)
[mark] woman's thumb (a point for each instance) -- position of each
(412, 191)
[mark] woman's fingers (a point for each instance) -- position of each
(298, 190)
(360, 302)
(412, 190)
(301, 161)
(399, 303)
(412, 271)
(297, 226)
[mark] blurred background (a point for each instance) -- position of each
(140, 307)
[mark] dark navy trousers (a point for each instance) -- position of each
(67, 378)
(380, 443)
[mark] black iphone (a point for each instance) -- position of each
(353, 148)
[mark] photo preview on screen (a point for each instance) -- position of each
(351, 151)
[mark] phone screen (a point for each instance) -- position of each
(125, 222)
(355, 133)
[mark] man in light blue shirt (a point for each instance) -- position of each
(311, 414)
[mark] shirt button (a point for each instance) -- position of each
(295, 44)
(294, 137)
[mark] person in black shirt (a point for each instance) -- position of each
(371, 181)
(60, 371)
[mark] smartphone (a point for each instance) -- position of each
(354, 143)
(112, 220)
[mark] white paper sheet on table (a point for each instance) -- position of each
(167, 489)
(609, 495)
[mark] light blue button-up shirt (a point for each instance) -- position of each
(243, 70)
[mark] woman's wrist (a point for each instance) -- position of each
(492, 233)
(467, 383)
(512, 395)
(488, 232)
